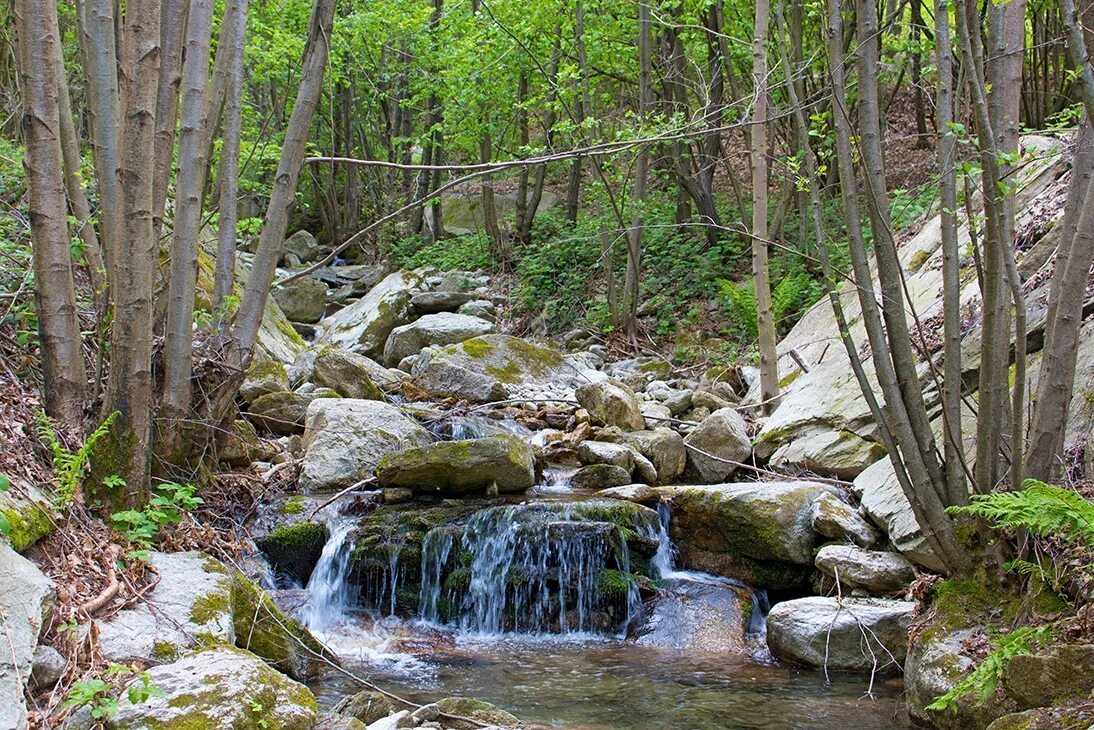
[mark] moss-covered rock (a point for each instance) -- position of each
(241, 446)
(663, 447)
(284, 412)
(263, 376)
(461, 468)
(449, 711)
(302, 300)
(347, 373)
(28, 512)
(1050, 677)
(600, 476)
(443, 328)
(367, 707)
(294, 549)
(364, 326)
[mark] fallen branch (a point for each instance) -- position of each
(344, 492)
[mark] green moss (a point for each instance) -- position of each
(164, 651)
(263, 629)
(292, 506)
(920, 258)
(790, 378)
(210, 607)
(29, 522)
(477, 347)
(294, 548)
(260, 369)
(614, 584)
(458, 580)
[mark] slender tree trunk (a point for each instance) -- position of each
(235, 16)
(173, 22)
(182, 282)
(573, 190)
(55, 292)
(489, 209)
(765, 318)
(129, 387)
(634, 247)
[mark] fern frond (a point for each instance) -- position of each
(1042, 509)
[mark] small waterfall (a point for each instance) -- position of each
(327, 588)
(436, 548)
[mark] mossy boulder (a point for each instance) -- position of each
(222, 687)
(263, 376)
(1049, 678)
(838, 520)
(365, 325)
(461, 468)
(347, 373)
(28, 512)
(294, 549)
(663, 447)
(758, 532)
(612, 403)
(831, 452)
(240, 445)
(368, 706)
(600, 476)
(465, 707)
(1069, 716)
(302, 300)
(875, 571)
(443, 328)
(284, 413)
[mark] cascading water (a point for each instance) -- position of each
(328, 593)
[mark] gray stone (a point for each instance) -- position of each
(302, 245)
(26, 599)
(835, 519)
(368, 706)
(602, 452)
(461, 468)
(476, 710)
(348, 374)
(840, 454)
(663, 447)
(885, 504)
(344, 440)
(481, 308)
(48, 667)
(639, 372)
(697, 618)
(284, 413)
(934, 665)
(444, 328)
(612, 403)
(302, 300)
(644, 470)
(720, 439)
(600, 476)
(263, 377)
(364, 326)
(678, 402)
(874, 571)
(638, 493)
(855, 634)
(220, 687)
(432, 302)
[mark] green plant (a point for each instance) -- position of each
(1042, 509)
(141, 527)
(5, 524)
(69, 467)
(101, 695)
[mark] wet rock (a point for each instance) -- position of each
(697, 618)
(345, 439)
(349, 374)
(637, 493)
(284, 413)
(874, 571)
(367, 706)
(364, 326)
(26, 599)
(1051, 677)
(857, 634)
(483, 712)
(935, 664)
(397, 495)
(262, 377)
(444, 328)
(432, 302)
(294, 549)
(758, 532)
(835, 519)
(602, 452)
(301, 245)
(600, 476)
(221, 687)
(302, 300)
(613, 404)
(644, 470)
(461, 468)
(721, 438)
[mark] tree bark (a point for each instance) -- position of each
(63, 373)
(173, 23)
(641, 173)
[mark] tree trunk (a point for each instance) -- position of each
(173, 22)
(765, 318)
(55, 291)
(634, 243)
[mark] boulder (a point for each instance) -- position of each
(640, 371)
(884, 502)
(302, 300)
(934, 665)
(855, 634)
(28, 511)
(481, 308)
(284, 413)
(873, 571)
(302, 245)
(835, 519)
(444, 328)
(600, 476)
(721, 438)
(663, 447)
(364, 326)
(678, 402)
(1049, 678)
(26, 600)
(602, 452)
(477, 710)
(758, 532)
(839, 454)
(293, 550)
(47, 667)
(240, 445)
(263, 377)
(612, 403)
(368, 706)
(191, 603)
(697, 618)
(461, 468)
(637, 493)
(221, 687)
(347, 373)
(344, 440)
(432, 302)
(494, 367)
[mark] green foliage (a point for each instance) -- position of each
(102, 695)
(70, 467)
(5, 524)
(141, 527)
(466, 253)
(983, 680)
(1042, 509)
(909, 206)
(792, 294)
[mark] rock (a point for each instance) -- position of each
(840, 454)
(480, 308)
(758, 532)
(302, 300)
(220, 687)
(935, 664)
(494, 367)
(344, 440)
(1049, 678)
(644, 470)
(293, 550)
(722, 435)
(284, 413)
(240, 446)
(613, 404)
(461, 468)
(697, 618)
(262, 377)
(835, 519)
(602, 452)
(302, 245)
(709, 400)
(347, 373)
(432, 302)
(400, 719)
(334, 721)
(444, 328)
(857, 634)
(637, 493)
(885, 504)
(726, 383)
(1066, 717)
(600, 476)
(47, 668)
(483, 712)
(662, 446)
(654, 413)
(367, 706)
(191, 603)
(364, 326)
(637, 373)
(679, 402)
(397, 495)
(874, 571)
(28, 511)
(26, 600)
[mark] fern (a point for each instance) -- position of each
(1042, 509)
(69, 467)
(985, 678)
(740, 302)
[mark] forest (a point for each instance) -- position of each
(482, 364)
